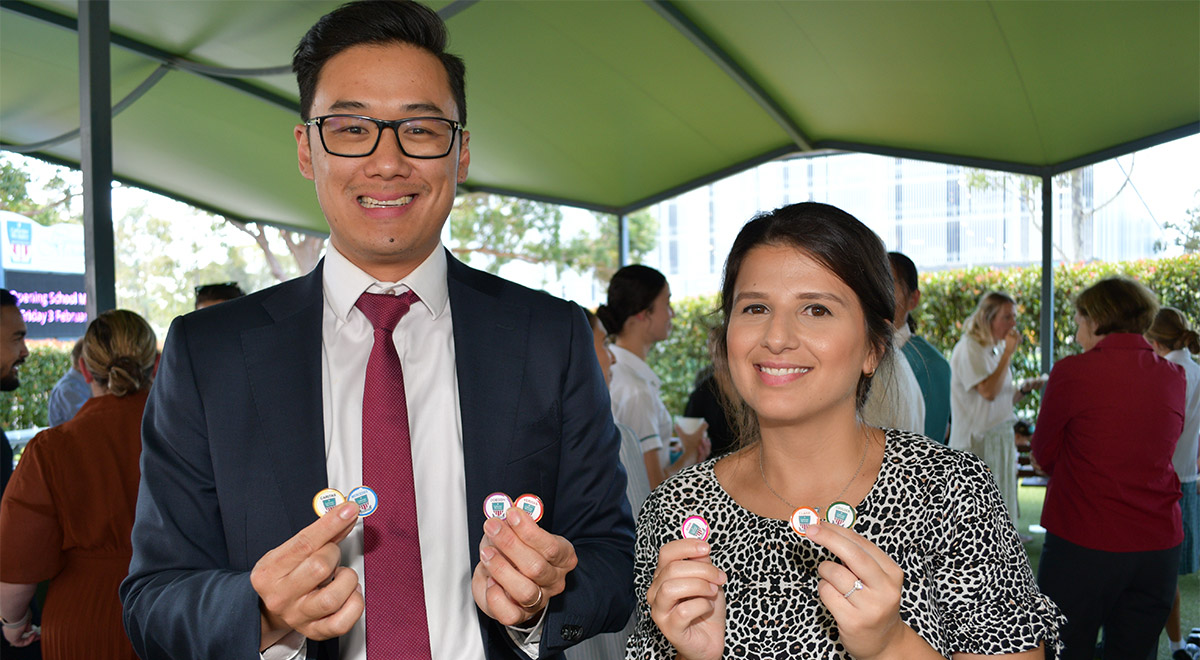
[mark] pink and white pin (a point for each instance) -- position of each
(497, 505)
(696, 527)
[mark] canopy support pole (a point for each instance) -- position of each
(1047, 319)
(623, 237)
(95, 133)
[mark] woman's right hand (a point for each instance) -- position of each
(696, 446)
(1011, 341)
(23, 636)
(687, 600)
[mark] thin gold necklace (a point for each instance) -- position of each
(838, 497)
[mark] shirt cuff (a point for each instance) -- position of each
(292, 647)
(529, 639)
(650, 443)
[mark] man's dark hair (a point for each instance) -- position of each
(7, 299)
(906, 270)
(377, 22)
(215, 293)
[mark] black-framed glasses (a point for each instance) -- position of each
(357, 136)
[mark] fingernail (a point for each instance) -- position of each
(703, 548)
(349, 510)
(513, 516)
(487, 554)
(358, 588)
(492, 527)
(491, 583)
(712, 589)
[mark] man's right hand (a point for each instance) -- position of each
(301, 587)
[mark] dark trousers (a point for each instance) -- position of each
(1128, 595)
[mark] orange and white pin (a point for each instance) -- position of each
(497, 505)
(802, 518)
(327, 499)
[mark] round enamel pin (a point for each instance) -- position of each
(496, 505)
(696, 527)
(327, 499)
(802, 518)
(366, 499)
(530, 504)
(840, 514)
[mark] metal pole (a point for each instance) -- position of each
(1047, 320)
(623, 238)
(95, 134)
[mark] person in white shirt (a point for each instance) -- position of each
(982, 393)
(262, 402)
(1172, 339)
(638, 315)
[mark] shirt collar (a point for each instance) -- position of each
(902, 335)
(343, 283)
(637, 364)
(1126, 340)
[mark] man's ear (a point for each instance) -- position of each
(464, 156)
(303, 151)
(87, 375)
(914, 300)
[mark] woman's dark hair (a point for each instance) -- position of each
(1118, 304)
(630, 291)
(375, 22)
(839, 242)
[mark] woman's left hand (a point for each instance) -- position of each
(862, 593)
(23, 636)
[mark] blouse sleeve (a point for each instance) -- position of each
(32, 547)
(982, 580)
(647, 642)
(969, 363)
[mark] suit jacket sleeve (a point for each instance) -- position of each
(592, 510)
(182, 598)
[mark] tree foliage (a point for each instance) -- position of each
(508, 229)
(61, 191)
(1188, 230)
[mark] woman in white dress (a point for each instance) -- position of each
(1172, 339)
(982, 393)
(638, 315)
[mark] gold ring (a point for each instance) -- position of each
(535, 603)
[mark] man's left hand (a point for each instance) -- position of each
(521, 567)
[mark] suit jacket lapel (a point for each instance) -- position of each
(489, 338)
(284, 364)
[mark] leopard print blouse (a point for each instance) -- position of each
(936, 511)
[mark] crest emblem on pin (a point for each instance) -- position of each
(696, 527)
(327, 499)
(802, 518)
(366, 499)
(841, 514)
(496, 504)
(530, 504)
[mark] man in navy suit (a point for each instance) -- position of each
(258, 405)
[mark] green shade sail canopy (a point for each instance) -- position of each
(613, 105)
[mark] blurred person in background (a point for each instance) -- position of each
(71, 390)
(929, 366)
(982, 392)
(12, 354)
(638, 314)
(707, 402)
(208, 295)
(67, 515)
(1106, 434)
(1173, 340)
(609, 646)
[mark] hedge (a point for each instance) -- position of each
(947, 299)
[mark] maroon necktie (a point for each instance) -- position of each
(395, 595)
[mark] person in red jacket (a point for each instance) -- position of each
(1105, 434)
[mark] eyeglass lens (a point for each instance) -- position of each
(357, 136)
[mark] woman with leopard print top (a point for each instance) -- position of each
(928, 564)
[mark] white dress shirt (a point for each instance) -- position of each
(637, 402)
(424, 340)
(970, 413)
(1189, 441)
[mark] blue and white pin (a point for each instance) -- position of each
(366, 499)
(326, 499)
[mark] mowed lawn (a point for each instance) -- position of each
(1031, 512)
